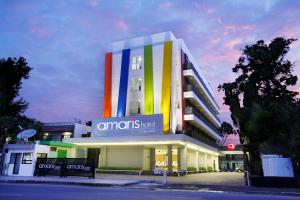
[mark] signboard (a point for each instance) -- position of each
(230, 147)
(126, 126)
(65, 167)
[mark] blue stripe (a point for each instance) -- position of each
(123, 83)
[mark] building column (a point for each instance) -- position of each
(152, 159)
(217, 163)
(205, 160)
(103, 156)
(197, 161)
(146, 159)
(170, 160)
(182, 156)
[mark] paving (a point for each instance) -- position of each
(212, 182)
(104, 182)
(218, 178)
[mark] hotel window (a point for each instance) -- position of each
(135, 107)
(27, 158)
(136, 84)
(136, 63)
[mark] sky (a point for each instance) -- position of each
(64, 41)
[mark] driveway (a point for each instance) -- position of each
(214, 178)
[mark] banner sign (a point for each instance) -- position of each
(65, 167)
(131, 125)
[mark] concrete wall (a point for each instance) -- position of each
(25, 169)
(192, 158)
(146, 159)
(80, 129)
(81, 152)
(125, 156)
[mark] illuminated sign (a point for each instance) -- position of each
(231, 147)
(131, 125)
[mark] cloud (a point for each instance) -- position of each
(121, 25)
(65, 43)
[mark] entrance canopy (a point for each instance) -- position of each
(151, 140)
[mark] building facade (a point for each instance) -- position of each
(158, 109)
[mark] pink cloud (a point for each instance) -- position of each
(121, 25)
(232, 139)
(92, 3)
(200, 5)
(40, 30)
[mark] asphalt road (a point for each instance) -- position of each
(46, 192)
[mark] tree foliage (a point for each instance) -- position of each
(262, 106)
(12, 72)
(226, 129)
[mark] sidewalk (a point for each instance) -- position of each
(98, 182)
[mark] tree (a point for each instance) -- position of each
(225, 130)
(12, 72)
(259, 99)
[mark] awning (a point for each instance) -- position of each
(57, 143)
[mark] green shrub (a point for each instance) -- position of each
(191, 168)
(209, 169)
(202, 168)
(119, 168)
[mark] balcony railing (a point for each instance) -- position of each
(189, 88)
(190, 110)
(191, 66)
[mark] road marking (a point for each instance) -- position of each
(11, 195)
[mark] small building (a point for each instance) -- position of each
(57, 131)
(20, 159)
(231, 160)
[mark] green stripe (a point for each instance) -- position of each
(148, 76)
(57, 143)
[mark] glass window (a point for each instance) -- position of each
(135, 107)
(53, 148)
(41, 155)
(136, 63)
(27, 158)
(12, 158)
(136, 84)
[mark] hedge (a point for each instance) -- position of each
(119, 168)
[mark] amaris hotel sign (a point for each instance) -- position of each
(131, 125)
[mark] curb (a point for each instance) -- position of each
(69, 183)
(234, 189)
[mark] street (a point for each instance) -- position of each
(47, 192)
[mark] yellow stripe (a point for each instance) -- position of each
(166, 86)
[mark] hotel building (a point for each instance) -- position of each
(158, 109)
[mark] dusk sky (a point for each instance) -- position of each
(65, 41)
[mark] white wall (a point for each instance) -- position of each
(273, 165)
(135, 96)
(125, 156)
(192, 159)
(158, 55)
(116, 73)
(25, 169)
(80, 129)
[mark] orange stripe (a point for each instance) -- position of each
(107, 85)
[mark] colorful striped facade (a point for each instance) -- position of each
(157, 74)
